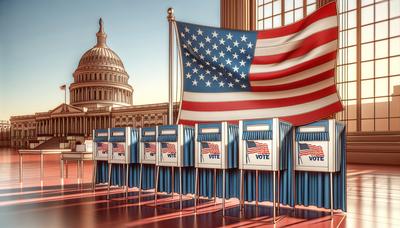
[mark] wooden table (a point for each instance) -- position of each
(79, 157)
(40, 153)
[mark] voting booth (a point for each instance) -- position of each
(262, 147)
(319, 150)
(120, 156)
(175, 149)
(147, 157)
(215, 148)
(100, 150)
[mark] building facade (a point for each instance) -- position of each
(100, 97)
(5, 133)
(368, 66)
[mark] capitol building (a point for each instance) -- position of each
(100, 97)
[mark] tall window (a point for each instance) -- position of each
(368, 67)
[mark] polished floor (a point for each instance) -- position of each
(373, 201)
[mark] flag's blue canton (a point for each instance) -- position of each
(215, 60)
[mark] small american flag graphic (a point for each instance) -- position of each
(168, 148)
(209, 148)
(307, 149)
(149, 147)
(254, 147)
(102, 147)
(118, 148)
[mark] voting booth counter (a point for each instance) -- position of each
(147, 157)
(265, 149)
(100, 156)
(175, 157)
(216, 161)
(320, 164)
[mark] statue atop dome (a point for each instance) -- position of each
(101, 35)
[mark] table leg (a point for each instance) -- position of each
(66, 169)
(20, 169)
(94, 175)
(41, 167)
(62, 171)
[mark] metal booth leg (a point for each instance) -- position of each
(140, 181)
(172, 181)
(256, 190)
(109, 180)
(156, 184)
(274, 196)
(279, 192)
(331, 192)
(241, 191)
(223, 192)
(127, 181)
(94, 175)
(196, 185)
(215, 186)
(180, 188)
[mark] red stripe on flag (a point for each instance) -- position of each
(297, 84)
(257, 104)
(315, 115)
(305, 46)
(325, 11)
(292, 70)
(296, 120)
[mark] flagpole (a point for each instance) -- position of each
(171, 19)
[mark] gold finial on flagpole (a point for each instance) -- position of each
(170, 12)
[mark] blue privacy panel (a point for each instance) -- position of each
(165, 180)
(148, 176)
(312, 188)
(102, 172)
(265, 178)
(206, 181)
(134, 146)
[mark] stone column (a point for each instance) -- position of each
(238, 14)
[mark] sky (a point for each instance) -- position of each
(41, 42)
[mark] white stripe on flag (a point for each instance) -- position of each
(315, 53)
(318, 26)
(259, 113)
(298, 76)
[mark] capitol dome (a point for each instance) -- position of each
(100, 79)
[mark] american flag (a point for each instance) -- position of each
(307, 149)
(285, 72)
(118, 148)
(168, 148)
(102, 147)
(209, 148)
(149, 147)
(257, 148)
